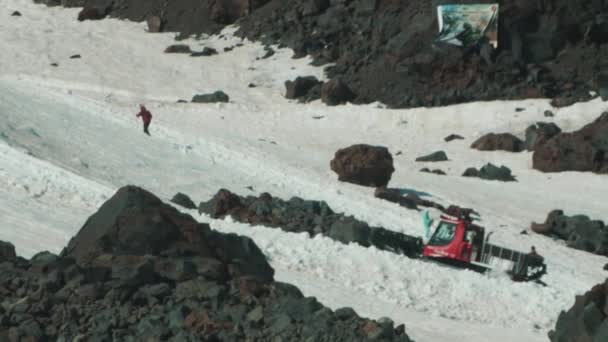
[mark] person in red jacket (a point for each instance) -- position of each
(146, 117)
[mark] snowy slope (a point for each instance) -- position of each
(69, 138)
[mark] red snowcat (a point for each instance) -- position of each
(458, 241)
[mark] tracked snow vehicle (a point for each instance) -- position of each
(458, 241)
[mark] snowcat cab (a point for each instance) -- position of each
(459, 242)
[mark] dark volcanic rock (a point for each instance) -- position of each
(16, 14)
(183, 200)
(435, 171)
(7, 251)
(386, 50)
(364, 165)
(140, 271)
(178, 48)
(217, 96)
(583, 150)
(335, 92)
(312, 217)
(207, 51)
(301, 87)
(438, 156)
(495, 142)
(92, 13)
(453, 137)
(155, 24)
(586, 320)
(540, 133)
(491, 172)
(408, 200)
(579, 231)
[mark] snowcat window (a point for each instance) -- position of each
(444, 234)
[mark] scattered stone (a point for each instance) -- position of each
(491, 172)
(519, 109)
(269, 52)
(16, 14)
(217, 96)
(182, 101)
(318, 117)
(178, 48)
(363, 165)
(75, 56)
(495, 142)
(251, 85)
(549, 114)
(228, 48)
(54, 64)
(207, 51)
(453, 137)
(435, 171)
(438, 156)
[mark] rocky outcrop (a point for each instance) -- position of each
(582, 150)
(363, 165)
(499, 142)
(579, 231)
(305, 216)
(139, 270)
(490, 172)
(586, 320)
(394, 58)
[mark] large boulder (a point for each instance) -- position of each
(495, 142)
(137, 223)
(540, 133)
(579, 231)
(586, 320)
(335, 92)
(583, 150)
(364, 165)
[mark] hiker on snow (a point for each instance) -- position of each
(146, 117)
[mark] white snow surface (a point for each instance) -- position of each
(69, 139)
